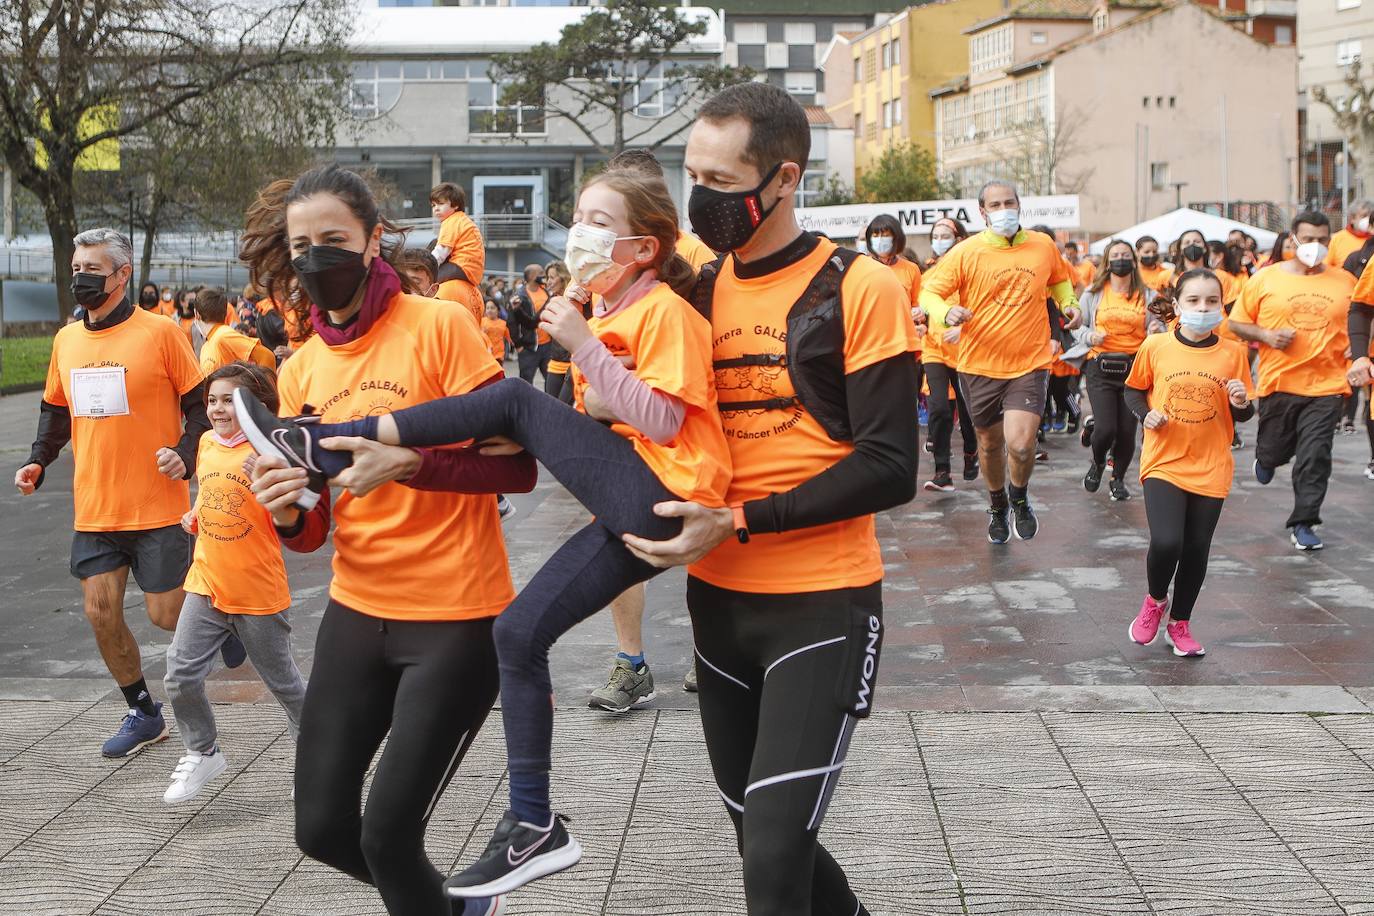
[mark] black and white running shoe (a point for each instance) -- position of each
(519, 852)
(1024, 522)
(271, 435)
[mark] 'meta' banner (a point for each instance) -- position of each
(1059, 211)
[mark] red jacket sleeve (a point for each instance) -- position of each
(310, 529)
(466, 470)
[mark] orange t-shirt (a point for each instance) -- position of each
(1084, 272)
(909, 275)
(1121, 319)
(1005, 287)
(1232, 285)
(693, 250)
(460, 235)
(1158, 277)
(497, 333)
(399, 553)
(1364, 287)
(773, 451)
(1317, 306)
(934, 349)
(238, 563)
(296, 336)
(671, 346)
(225, 345)
(1193, 450)
(538, 296)
(1343, 244)
(123, 386)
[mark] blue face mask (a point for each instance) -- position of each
(1200, 322)
(1004, 222)
(940, 246)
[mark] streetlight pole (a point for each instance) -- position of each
(1178, 193)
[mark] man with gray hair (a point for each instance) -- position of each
(124, 388)
(996, 285)
(1353, 237)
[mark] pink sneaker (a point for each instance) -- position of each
(1145, 627)
(1185, 646)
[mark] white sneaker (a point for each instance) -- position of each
(505, 508)
(192, 773)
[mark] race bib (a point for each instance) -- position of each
(99, 392)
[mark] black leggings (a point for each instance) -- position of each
(783, 680)
(941, 413)
(603, 471)
(1113, 423)
(1181, 527)
(1061, 394)
(430, 685)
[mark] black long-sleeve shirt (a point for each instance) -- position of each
(1358, 324)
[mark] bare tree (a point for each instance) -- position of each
(1038, 150)
(1353, 109)
(78, 77)
(611, 64)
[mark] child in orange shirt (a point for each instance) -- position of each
(236, 591)
(460, 251)
(496, 331)
(1188, 387)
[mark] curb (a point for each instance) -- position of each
(21, 389)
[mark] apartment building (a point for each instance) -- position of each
(1335, 35)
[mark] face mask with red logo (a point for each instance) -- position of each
(727, 220)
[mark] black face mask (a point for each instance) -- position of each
(1194, 252)
(1121, 267)
(148, 300)
(1149, 260)
(330, 276)
(89, 289)
(727, 220)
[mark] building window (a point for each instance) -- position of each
(1173, 101)
(871, 63)
(887, 55)
(993, 113)
(801, 82)
(752, 56)
(858, 126)
(1347, 4)
(1347, 52)
(486, 114)
(871, 133)
(1040, 38)
(858, 69)
(887, 115)
(896, 111)
(812, 185)
(896, 52)
(1100, 21)
(751, 33)
(1283, 34)
(990, 50)
(376, 88)
(799, 33)
(775, 55)
(1159, 176)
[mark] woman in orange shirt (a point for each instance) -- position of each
(1285, 249)
(939, 358)
(636, 438)
(886, 241)
(1187, 388)
(404, 652)
(235, 590)
(1156, 275)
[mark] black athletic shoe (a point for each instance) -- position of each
(1093, 479)
(999, 531)
(517, 854)
(1086, 436)
(1118, 491)
(271, 435)
(971, 466)
(1026, 523)
(940, 483)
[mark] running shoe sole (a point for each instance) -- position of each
(1198, 654)
(598, 703)
(1304, 547)
(138, 747)
(262, 444)
(539, 867)
(933, 487)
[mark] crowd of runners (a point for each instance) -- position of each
(740, 400)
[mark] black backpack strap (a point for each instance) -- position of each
(751, 359)
(705, 290)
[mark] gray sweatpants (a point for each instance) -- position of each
(201, 630)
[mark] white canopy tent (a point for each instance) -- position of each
(1170, 226)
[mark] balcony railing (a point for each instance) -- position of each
(505, 230)
(1288, 8)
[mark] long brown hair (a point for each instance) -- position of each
(265, 248)
(261, 382)
(1104, 273)
(652, 213)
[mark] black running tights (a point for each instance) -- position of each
(1181, 527)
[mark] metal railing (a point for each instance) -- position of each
(504, 230)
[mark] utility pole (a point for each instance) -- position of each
(1225, 163)
(1178, 193)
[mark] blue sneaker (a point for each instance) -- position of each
(1263, 474)
(136, 732)
(484, 906)
(233, 652)
(1304, 538)
(922, 416)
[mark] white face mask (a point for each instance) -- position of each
(1311, 253)
(1004, 222)
(1361, 224)
(588, 256)
(881, 245)
(940, 246)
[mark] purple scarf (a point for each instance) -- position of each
(382, 285)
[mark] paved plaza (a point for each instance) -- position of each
(1026, 757)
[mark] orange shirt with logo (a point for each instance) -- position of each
(671, 346)
(404, 554)
(1364, 287)
(497, 333)
(460, 235)
(1158, 277)
(1192, 450)
(225, 345)
(1122, 319)
(1317, 307)
(693, 250)
(773, 451)
(238, 563)
(1005, 287)
(117, 486)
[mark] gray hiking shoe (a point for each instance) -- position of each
(625, 689)
(689, 683)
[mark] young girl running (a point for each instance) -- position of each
(404, 652)
(1187, 387)
(636, 438)
(236, 585)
